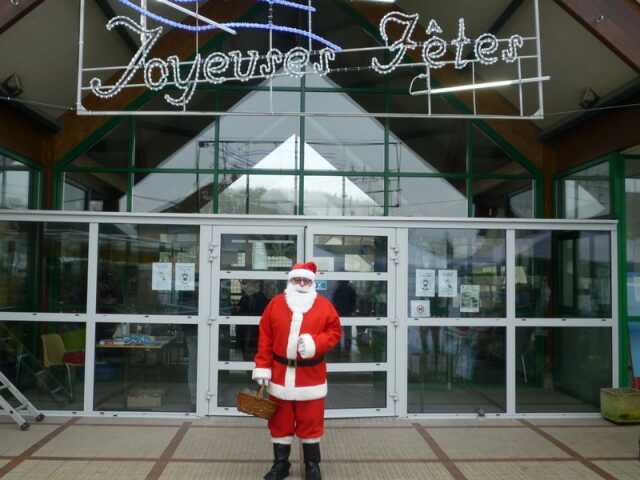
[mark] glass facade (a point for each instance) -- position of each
(18, 184)
(457, 273)
(587, 194)
(563, 274)
(632, 206)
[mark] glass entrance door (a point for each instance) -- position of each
(357, 273)
(249, 267)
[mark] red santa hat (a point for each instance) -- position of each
(304, 270)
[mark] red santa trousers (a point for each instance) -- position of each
(304, 419)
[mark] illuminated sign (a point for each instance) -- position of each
(400, 49)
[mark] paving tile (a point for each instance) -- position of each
(109, 441)
(622, 470)
(131, 421)
(226, 471)
(79, 470)
(600, 442)
(385, 471)
(228, 444)
(367, 422)
(375, 443)
(471, 422)
(570, 422)
(14, 441)
(527, 471)
(230, 422)
(489, 443)
(48, 420)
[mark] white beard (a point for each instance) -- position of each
(300, 299)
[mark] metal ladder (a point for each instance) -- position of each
(24, 407)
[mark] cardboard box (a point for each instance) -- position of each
(145, 398)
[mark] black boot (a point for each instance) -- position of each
(281, 465)
(312, 461)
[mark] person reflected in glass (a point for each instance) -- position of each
(344, 299)
(252, 303)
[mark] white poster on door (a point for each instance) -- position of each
(425, 283)
(185, 277)
(470, 298)
(161, 276)
(448, 283)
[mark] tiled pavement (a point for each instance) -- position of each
(233, 448)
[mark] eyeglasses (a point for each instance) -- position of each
(298, 280)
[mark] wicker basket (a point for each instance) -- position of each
(256, 405)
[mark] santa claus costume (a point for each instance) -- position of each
(297, 329)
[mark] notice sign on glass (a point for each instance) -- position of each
(448, 283)
(185, 277)
(161, 276)
(470, 298)
(425, 283)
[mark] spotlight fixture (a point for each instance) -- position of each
(12, 86)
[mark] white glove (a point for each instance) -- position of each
(301, 346)
(262, 381)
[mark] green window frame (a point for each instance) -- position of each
(35, 177)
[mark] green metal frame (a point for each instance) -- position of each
(35, 181)
(387, 175)
(617, 177)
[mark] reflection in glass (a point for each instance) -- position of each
(45, 361)
(247, 298)
(456, 370)
(428, 197)
(103, 192)
(562, 369)
(475, 263)
(276, 253)
(563, 274)
(356, 390)
(112, 151)
(357, 298)
(344, 196)
(587, 193)
(171, 193)
(258, 194)
(145, 367)
(237, 343)
(230, 382)
(171, 142)
(14, 185)
(632, 205)
(360, 345)
(148, 269)
(489, 158)
(43, 267)
(342, 143)
(500, 198)
(350, 253)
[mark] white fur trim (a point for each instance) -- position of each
(282, 440)
(311, 440)
(302, 273)
(262, 373)
(298, 394)
(309, 346)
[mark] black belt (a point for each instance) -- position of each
(298, 363)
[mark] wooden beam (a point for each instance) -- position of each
(615, 22)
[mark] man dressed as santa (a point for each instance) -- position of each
(297, 329)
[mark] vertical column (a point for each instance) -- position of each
(511, 322)
(205, 342)
(90, 335)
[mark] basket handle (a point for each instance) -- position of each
(260, 392)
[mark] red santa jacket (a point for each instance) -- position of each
(280, 329)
